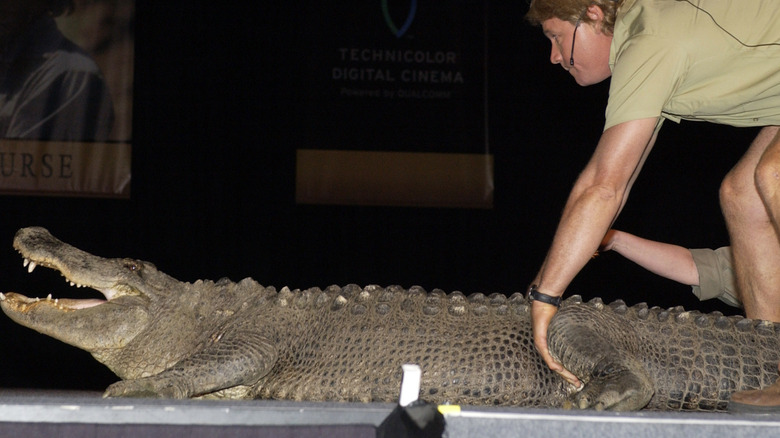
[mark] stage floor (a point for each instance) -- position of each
(32, 413)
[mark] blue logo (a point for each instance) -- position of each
(409, 18)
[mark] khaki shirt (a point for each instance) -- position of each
(720, 63)
(716, 275)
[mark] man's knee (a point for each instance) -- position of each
(767, 178)
(732, 194)
(740, 201)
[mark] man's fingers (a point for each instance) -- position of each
(542, 315)
(569, 377)
(558, 368)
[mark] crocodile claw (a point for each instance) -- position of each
(621, 391)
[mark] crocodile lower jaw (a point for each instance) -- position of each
(24, 304)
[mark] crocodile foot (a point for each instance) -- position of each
(620, 391)
(146, 388)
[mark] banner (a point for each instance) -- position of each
(395, 105)
(65, 169)
(394, 178)
(66, 85)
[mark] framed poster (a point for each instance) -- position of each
(66, 92)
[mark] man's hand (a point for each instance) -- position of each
(542, 314)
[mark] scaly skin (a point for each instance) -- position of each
(166, 338)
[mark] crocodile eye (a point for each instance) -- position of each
(132, 266)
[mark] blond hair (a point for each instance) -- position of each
(572, 10)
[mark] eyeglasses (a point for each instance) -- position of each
(574, 35)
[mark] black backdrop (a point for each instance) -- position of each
(214, 168)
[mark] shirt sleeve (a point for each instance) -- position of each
(716, 275)
(646, 72)
(68, 106)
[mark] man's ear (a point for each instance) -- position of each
(596, 16)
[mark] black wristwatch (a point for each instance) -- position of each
(535, 295)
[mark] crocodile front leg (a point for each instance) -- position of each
(227, 361)
(600, 348)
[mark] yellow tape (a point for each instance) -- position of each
(449, 409)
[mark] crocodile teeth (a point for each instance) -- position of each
(2, 296)
(30, 265)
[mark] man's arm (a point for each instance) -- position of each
(593, 205)
(669, 261)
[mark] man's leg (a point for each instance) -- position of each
(750, 198)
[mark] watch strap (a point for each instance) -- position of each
(535, 295)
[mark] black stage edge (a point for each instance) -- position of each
(32, 413)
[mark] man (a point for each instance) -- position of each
(709, 60)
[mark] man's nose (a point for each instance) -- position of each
(555, 54)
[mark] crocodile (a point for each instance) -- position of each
(166, 338)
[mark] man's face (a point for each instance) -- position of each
(589, 49)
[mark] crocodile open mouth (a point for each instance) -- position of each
(24, 304)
